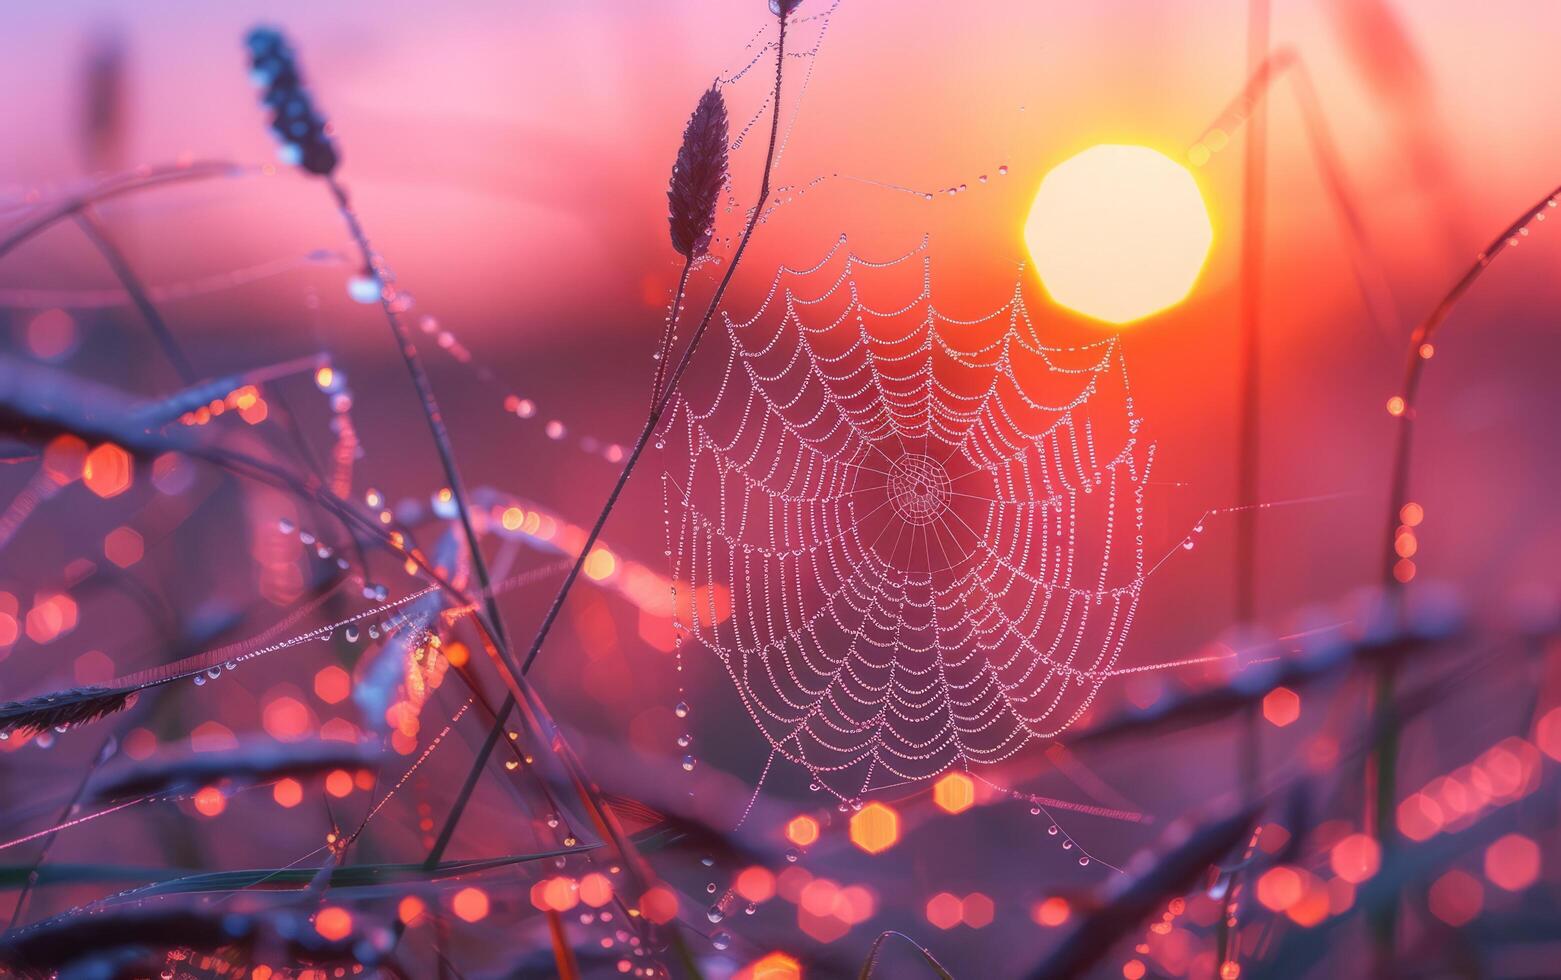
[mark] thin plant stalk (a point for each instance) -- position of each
(688, 353)
(105, 750)
(1249, 441)
(82, 212)
(563, 955)
(1382, 766)
(1249, 444)
(114, 187)
(116, 260)
(664, 350)
(651, 422)
(430, 405)
(1286, 63)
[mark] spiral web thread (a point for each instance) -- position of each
(914, 542)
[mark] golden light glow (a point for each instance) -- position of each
(106, 471)
(1118, 232)
(875, 827)
(802, 831)
(955, 792)
(599, 564)
(470, 904)
(333, 923)
(776, 966)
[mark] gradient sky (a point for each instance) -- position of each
(511, 160)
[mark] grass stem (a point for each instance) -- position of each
(652, 421)
(430, 406)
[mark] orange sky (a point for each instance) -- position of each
(511, 160)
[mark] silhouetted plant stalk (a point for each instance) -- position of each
(1285, 63)
(120, 184)
(1381, 770)
(1126, 900)
(677, 373)
(1249, 446)
(307, 143)
(105, 750)
(666, 393)
(870, 965)
(697, 178)
(116, 260)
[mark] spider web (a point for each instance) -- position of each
(914, 542)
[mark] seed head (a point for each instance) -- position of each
(294, 121)
(697, 176)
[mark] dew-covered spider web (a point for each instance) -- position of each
(915, 542)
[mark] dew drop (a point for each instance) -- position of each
(792, 854)
(681, 710)
(721, 940)
(689, 762)
(364, 288)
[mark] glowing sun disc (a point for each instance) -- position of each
(1118, 232)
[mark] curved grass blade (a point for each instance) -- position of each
(1381, 641)
(1131, 899)
(166, 881)
(42, 949)
(871, 963)
(256, 762)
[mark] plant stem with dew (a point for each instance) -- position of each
(651, 423)
(425, 393)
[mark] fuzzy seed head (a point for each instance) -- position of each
(301, 130)
(698, 175)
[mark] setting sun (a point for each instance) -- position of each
(1118, 232)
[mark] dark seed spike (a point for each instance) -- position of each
(698, 176)
(302, 130)
(78, 706)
